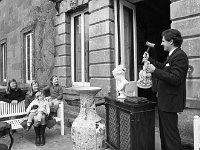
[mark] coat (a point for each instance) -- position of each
(171, 85)
(42, 106)
(17, 94)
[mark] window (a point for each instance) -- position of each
(128, 39)
(80, 49)
(4, 61)
(28, 57)
(126, 51)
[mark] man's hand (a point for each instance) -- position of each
(150, 68)
(14, 102)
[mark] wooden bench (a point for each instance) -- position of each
(8, 110)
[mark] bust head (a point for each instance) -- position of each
(119, 74)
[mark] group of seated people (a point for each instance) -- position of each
(39, 103)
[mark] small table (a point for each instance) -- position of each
(5, 128)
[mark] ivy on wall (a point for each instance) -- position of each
(42, 20)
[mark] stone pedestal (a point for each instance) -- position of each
(88, 129)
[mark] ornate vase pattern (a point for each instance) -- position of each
(145, 80)
(88, 129)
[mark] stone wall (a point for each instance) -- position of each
(101, 44)
(185, 17)
(13, 18)
(63, 49)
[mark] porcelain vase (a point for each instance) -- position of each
(88, 129)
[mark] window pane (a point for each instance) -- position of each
(4, 61)
(86, 49)
(77, 49)
(28, 58)
(28, 54)
(128, 43)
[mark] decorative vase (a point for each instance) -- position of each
(88, 129)
(145, 80)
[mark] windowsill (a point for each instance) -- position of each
(2, 88)
(3, 83)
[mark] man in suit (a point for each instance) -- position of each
(171, 87)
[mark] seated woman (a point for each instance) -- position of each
(56, 95)
(39, 129)
(13, 93)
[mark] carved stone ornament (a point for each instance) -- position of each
(73, 4)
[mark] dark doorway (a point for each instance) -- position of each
(153, 17)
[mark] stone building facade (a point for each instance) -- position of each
(115, 32)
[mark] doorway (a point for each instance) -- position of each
(139, 21)
(152, 18)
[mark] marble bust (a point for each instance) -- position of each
(119, 74)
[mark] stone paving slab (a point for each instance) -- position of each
(24, 140)
(54, 141)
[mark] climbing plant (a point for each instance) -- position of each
(42, 20)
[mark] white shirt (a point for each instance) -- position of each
(172, 51)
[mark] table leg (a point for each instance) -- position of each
(11, 140)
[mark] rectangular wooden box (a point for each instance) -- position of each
(130, 126)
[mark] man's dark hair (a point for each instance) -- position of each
(173, 34)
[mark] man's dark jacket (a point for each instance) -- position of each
(171, 86)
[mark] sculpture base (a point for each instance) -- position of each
(121, 95)
(143, 85)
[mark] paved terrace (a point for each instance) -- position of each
(24, 140)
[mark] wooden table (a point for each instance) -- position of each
(5, 129)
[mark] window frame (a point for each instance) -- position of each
(132, 7)
(27, 30)
(82, 83)
(120, 51)
(29, 34)
(4, 62)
